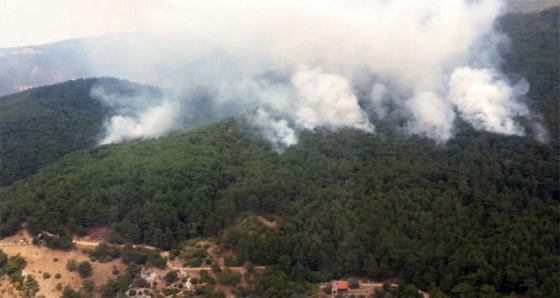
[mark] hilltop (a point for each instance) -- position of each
(42, 124)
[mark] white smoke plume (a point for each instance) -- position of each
(328, 63)
(432, 116)
(485, 101)
(153, 122)
(138, 116)
(327, 100)
(277, 132)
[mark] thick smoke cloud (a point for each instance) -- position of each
(152, 122)
(137, 116)
(329, 63)
(277, 132)
(327, 100)
(486, 102)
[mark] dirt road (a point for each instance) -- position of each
(90, 244)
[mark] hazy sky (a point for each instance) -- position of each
(432, 60)
(32, 22)
(29, 22)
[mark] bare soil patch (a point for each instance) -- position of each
(41, 259)
(264, 221)
(97, 234)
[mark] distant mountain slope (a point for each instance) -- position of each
(525, 6)
(26, 67)
(115, 55)
(535, 54)
(40, 125)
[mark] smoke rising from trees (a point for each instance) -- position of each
(301, 65)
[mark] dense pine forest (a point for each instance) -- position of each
(42, 124)
(533, 53)
(477, 216)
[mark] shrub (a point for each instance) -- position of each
(174, 253)
(71, 265)
(46, 275)
(194, 281)
(59, 242)
(192, 253)
(377, 293)
(195, 262)
(84, 269)
(171, 277)
(140, 283)
(132, 254)
(353, 283)
(216, 267)
(229, 278)
(13, 267)
(230, 262)
(57, 276)
(205, 277)
(104, 253)
(55, 260)
(30, 286)
(249, 266)
(88, 285)
(155, 259)
(109, 289)
(69, 292)
(192, 242)
(203, 291)
(387, 286)
(170, 292)
(218, 294)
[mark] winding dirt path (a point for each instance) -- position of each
(90, 244)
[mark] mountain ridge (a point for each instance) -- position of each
(39, 125)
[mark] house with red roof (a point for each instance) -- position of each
(339, 287)
(342, 286)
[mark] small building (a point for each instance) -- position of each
(339, 287)
(342, 286)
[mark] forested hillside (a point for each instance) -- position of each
(479, 214)
(42, 124)
(534, 54)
